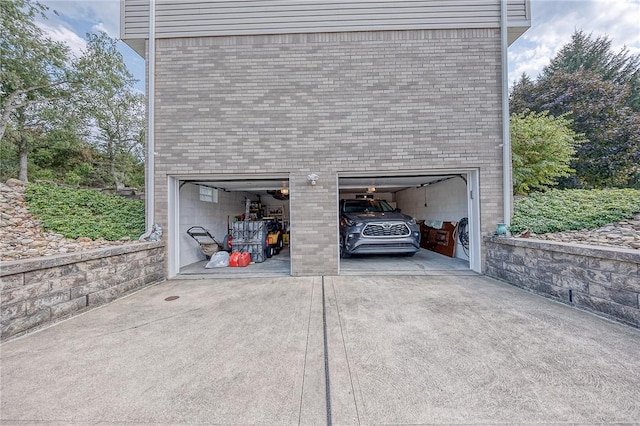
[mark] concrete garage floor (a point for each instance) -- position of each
(276, 266)
(399, 350)
(424, 262)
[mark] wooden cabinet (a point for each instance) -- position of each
(441, 240)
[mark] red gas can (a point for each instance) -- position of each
(244, 259)
(240, 259)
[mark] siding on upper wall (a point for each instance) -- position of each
(518, 10)
(202, 18)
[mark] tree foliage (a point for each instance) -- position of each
(542, 147)
(33, 68)
(67, 119)
(583, 53)
(115, 111)
(597, 89)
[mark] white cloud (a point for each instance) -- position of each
(554, 21)
(64, 35)
(91, 14)
(101, 27)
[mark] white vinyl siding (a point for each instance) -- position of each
(518, 10)
(193, 18)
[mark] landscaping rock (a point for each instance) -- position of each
(623, 234)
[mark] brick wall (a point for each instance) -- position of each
(40, 291)
(325, 104)
(603, 280)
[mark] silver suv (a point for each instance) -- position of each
(369, 226)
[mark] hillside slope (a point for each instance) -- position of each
(21, 236)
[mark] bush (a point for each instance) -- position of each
(84, 212)
(543, 147)
(573, 209)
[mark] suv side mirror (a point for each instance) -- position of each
(397, 210)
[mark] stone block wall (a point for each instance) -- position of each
(600, 279)
(40, 291)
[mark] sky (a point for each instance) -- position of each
(553, 22)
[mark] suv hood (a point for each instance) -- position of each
(377, 216)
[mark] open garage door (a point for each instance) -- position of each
(230, 213)
(381, 211)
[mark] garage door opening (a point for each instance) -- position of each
(419, 223)
(216, 214)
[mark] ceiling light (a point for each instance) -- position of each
(371, 190)
(284, 191)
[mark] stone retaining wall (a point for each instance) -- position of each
(39, 291)
(602, 280)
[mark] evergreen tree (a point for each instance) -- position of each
(598, 90)
(583, 53)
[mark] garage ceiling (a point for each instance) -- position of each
(247, 185)
(347, 184)
(389, 183)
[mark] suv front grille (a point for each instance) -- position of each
(386, 229)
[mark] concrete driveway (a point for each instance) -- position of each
(405, 350)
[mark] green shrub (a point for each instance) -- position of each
(84, 212)
(543, 147)
(573, 209)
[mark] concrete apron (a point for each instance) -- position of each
(439, 349)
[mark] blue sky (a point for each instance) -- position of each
(553, 22)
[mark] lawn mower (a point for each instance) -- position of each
(208, 244)
(274, 239)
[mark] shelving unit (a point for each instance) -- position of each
(255, 210)
(279, 212)
(275, 211)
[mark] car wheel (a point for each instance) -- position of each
(343, 251)
(279, 245)
(226, 243)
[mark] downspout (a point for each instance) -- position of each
(506, 135)
(150, 190)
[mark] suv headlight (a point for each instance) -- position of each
(348, 222)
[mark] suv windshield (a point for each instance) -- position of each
(366, 206)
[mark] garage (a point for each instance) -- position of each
(212, 215)
(442, 204)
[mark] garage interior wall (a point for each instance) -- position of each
(211, 216)
(445, 201)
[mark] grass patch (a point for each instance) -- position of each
(573, 209)
(84, 212)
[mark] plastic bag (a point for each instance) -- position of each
(218, 260)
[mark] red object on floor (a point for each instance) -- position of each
(244, 259)
(239, 259)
